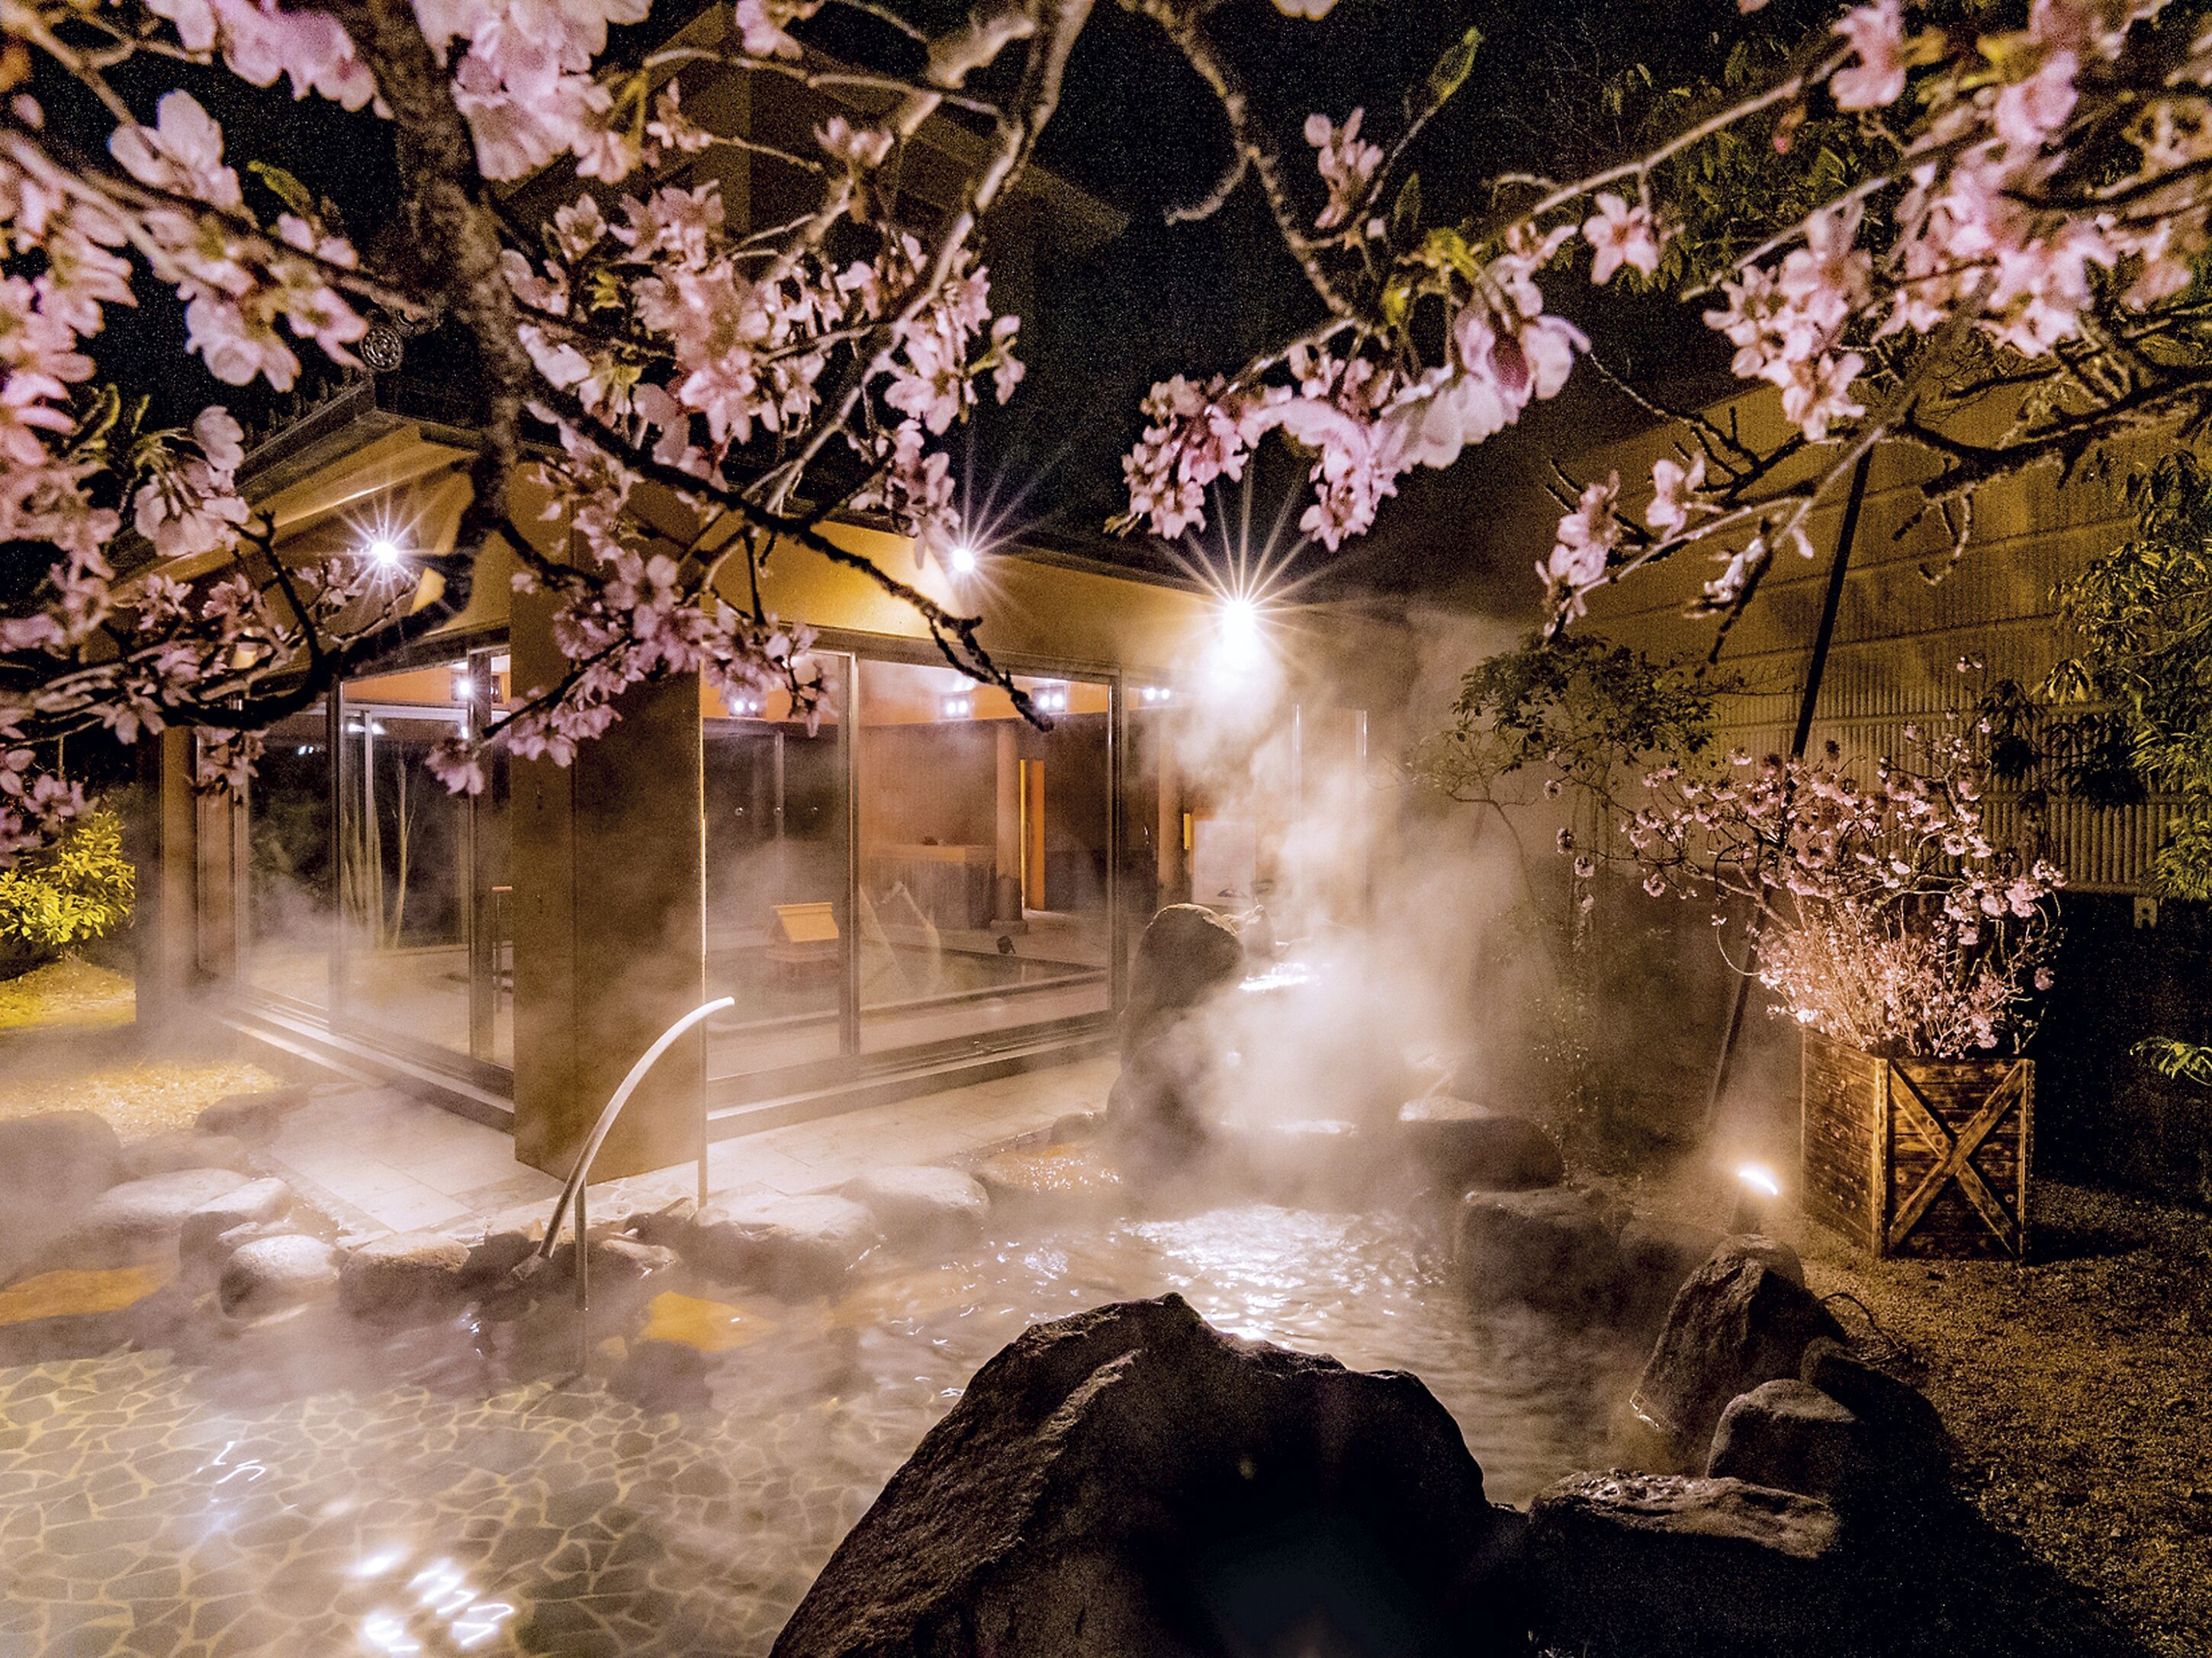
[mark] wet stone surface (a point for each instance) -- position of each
(457, 1490)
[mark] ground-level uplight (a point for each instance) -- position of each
(1756, 1187)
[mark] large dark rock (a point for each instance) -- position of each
(1459, 1144)
(1656, 1259)
(1790, 1434)
(1633, 1565)
(140, 1219)
(1129, 1482)
(1188, 955)
(1771, 1252)
(1548, 1248)
(1159, 1107)
(1910, 1447)
(1736, 1323)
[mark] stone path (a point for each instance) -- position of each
(377, 1160)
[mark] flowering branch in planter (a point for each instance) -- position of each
(1890, 920)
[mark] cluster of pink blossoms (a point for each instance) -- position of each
(1364, 423)
(749, 339)
(236, 285)
(1972, 232)
(1892, 920)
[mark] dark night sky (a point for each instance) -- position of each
(1139, 129)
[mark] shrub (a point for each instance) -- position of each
(78, 889)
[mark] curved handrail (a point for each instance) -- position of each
(620, 1097)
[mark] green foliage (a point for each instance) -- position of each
(76, 891)
(1728, 191)
(1575, 706)
(2144, 612)
(2170, 1057)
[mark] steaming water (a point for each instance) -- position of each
(429, 1502)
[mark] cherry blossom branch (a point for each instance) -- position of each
(1183, 24)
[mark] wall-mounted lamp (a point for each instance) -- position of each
(1154, 697)
(746, 705)
(1239, 626)
(1050, 699)
(957, 707)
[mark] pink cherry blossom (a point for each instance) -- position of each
(1621, 234)
(1876, 78)
(1346, 165)
(1672, 486)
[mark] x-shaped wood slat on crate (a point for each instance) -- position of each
(1953, 1156)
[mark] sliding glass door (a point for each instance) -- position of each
(983, 854)
(424, 951)
(776, 797)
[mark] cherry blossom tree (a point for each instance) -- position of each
(2022, 219)
(766, 377)
(2019, 223)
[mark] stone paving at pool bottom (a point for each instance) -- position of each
(454, 1490)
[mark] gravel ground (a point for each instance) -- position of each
(140, 1099)
(2078, 1386)
(68, 994)
(2080, 1389)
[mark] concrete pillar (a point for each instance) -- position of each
(165, 850)
(609, 876)
(1034, 894)
(1006, 813)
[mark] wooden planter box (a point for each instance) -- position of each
(1918, 1156)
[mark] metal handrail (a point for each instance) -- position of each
(573, 1190)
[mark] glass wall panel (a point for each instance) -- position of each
(293, 881)
(984, 854)
(776, 800)
(424, 936)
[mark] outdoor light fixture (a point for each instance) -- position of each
(1756, 1188)
(963, 559)
(1050, 699)
(384, 553)
(957, 707)
(1239, 625)
(464, 683)
(1153, 696)
(746, 705)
